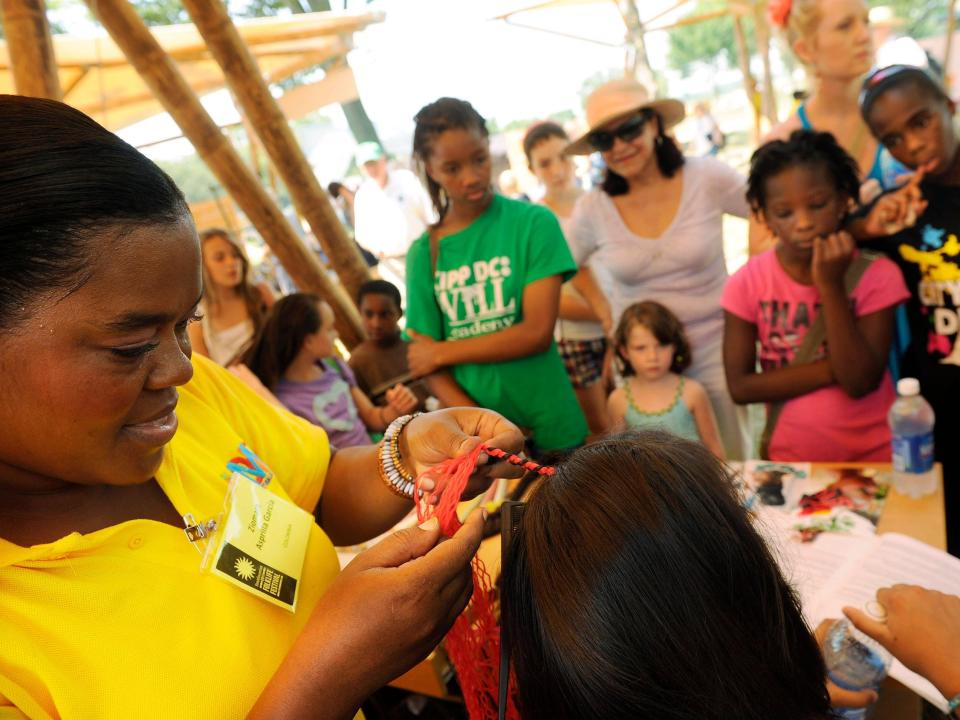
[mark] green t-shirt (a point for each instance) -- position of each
(478, 289)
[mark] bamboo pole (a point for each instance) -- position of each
(31, 48)
(951, 27)
(749, 84)
(259, 106)
(762, 33)
(162, 76)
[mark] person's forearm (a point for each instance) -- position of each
(573, 306)
(448, 391)
(312, 681)
(780, 384)
(356, 504)
(516, 341)
(586, 284)
(853, 362)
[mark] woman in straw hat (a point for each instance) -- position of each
(655, 225)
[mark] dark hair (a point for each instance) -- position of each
(434, 120)
(668, 154)
(380, 287)
(252, 297)
(64, 180)
(804, 147)
(538, 132)
(883, 79)
(667, 603)
(286, 328)
(334, 189)
(665, 327)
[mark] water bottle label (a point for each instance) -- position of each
(913, 453)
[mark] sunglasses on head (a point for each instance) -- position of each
(602, 140)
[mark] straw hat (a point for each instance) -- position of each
(617, 99)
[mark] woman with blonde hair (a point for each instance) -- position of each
(233, 307)
(833, 41)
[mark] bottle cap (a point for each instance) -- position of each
(908, 386)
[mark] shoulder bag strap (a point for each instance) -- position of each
(811, 343)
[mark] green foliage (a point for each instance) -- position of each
(705, 42)
(193, 177)
(162, 12)
(924, 18)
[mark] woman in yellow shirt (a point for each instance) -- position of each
(111, 435)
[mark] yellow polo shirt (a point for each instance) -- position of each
(121, 623)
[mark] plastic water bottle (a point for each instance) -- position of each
(854, 662)
(911, 427)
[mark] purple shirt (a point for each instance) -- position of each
(327, 402)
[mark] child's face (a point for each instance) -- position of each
(460, 163)
(320, 344)
(915, 126)
(380, 315)
(223, 262)
(802, 204)
(551, 165)
(649, 358)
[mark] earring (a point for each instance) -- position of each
(659, 141)
(679, 358)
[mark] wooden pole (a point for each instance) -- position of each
(259, 106)
(749, 84)
(162, 76)
(947, 51)
(762, 33)
(31, 48)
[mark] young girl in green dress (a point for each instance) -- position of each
(654, 351)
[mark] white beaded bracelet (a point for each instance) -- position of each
(392, 472)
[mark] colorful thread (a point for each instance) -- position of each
(473, 642)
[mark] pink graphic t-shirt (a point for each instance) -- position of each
(826, 425)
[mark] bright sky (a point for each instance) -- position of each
(429, 48)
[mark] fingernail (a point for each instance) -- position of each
(430, 525)
(484, 514)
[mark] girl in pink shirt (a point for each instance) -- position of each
(834, 406)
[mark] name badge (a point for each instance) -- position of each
(261, 543)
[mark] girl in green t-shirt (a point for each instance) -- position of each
(483, 287)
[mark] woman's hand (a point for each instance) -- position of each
(423, 354)
(922, 630)
(431, 438)
(831, 258)
(840, 697)
(384, 613)
(401, 399)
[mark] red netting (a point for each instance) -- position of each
(473, 642)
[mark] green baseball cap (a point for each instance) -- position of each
(368, 152)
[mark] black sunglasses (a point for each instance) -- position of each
(602, 140)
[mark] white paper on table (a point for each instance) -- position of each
(836, 571)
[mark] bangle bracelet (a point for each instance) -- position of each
(390, 464)
(953, 705)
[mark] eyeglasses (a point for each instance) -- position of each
(602, 140)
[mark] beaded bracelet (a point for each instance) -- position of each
(953, 706)
(389, 462)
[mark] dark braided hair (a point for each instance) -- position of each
(805, 147)
(433, 120)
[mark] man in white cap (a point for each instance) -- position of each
(391, 210)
